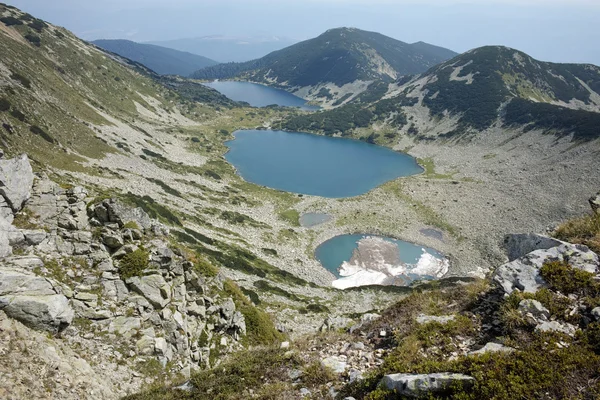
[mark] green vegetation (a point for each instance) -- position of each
(134, 264)
(259, 326)
(154, 209)
(553, 119)
(497, 78)
(168, 189)
(584, 230)
(4, 104)
(33, 39)
(540, 367)
(22, 79)
(291, 216)
(259, 370)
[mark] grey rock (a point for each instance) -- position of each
(555, 326)
(335, 364)
(334, 323)
(124, 325)
(425, 319)
(521, 244)
(418, 385)
(16, 181)
(113, 241)
(34, 237)
(523, 274)
(33, 301)
(123, 251)
(121, 214)
(534, 309)
(163, 256)
(25, 262)
(152, 287)
(595, 203)
(492, 348)
(596, 313)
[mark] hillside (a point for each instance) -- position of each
(136, 262)
(225, 48)
(162, 60)
(321, 67)
(472, 92)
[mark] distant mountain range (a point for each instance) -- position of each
(319, 67)
(161, 60)
(229, 48)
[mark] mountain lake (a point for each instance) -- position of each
(259, 95)
(315, 165)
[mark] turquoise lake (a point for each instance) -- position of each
(315, 165)
(259, 95)
(332, 253)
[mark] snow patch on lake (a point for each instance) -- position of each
(376, 261)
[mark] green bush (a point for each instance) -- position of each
(4, 104)
(568, 280)
(18, 115)
(204, 268)
(584, 230)
(10, 21)
(40, 132)
(259, 326)
(33, 39)
(22, 79)
(134, 264)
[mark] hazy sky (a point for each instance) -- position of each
(552, 30)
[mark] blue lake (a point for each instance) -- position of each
(315, 165)
(332, 253)
(259, 95)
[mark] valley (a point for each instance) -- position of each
(177, 230)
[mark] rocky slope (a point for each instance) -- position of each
(471, 93)
(162, 60)
(339, 63)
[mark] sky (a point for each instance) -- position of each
(549, 30)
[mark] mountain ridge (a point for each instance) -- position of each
(162, 60)
(321, 67)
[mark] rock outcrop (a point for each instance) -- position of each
(523, 273)
(16, 179)
(34, 301)
(418, 385)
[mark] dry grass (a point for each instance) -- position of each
(584, 230)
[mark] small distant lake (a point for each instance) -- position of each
(309, 220)
(259, 95)
(315, 165)
(332, 253)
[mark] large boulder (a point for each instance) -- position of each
(524, 273)
(112, 211)
(518, 245)
(33, 301)
(16, 181)
(153, 287)
(421, 385)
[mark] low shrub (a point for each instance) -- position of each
(40, 132)
(18, 115)
(4, 104)
(134, 264)
(33, 39)
(584, 230)
(22, 79)
(10, 21)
